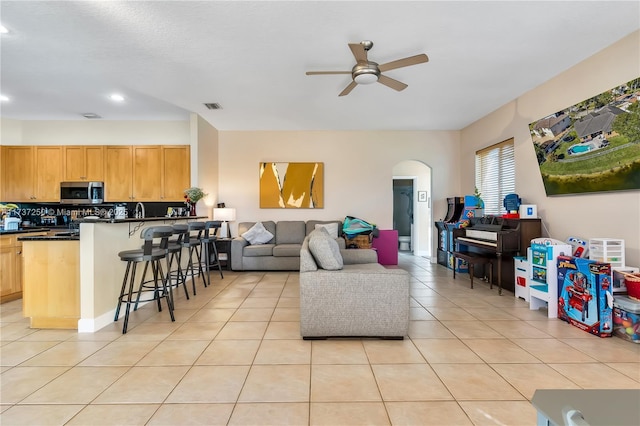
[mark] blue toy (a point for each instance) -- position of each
(512, 202)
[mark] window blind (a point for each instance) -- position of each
(496, 175)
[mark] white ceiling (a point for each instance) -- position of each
(63, 58)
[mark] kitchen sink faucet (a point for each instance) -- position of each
(139, 210)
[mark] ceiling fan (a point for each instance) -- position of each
(367, 72)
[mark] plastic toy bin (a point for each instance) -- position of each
(607, 250)
(626, 318)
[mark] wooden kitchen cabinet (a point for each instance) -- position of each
(32, 173)
(48, 173)
(176, 172)
(147, 173)
(18, 171)
(84, 163)
(11, 261)
(118, 177)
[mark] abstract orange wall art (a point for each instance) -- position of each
(291, 185)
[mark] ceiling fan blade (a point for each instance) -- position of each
(358, 52)
(348, 89)
(327, 72)
(390, 82)
(411, 60)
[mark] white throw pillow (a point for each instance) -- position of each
(326, 252)
(257, 234)
(332, 228)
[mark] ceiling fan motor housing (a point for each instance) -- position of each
(365, 73)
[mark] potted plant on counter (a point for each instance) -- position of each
(191, 198)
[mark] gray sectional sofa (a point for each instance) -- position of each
(282, 252)
(362, 298)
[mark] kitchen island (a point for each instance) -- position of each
(100, 269)
(51, 281)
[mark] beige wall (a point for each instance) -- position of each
(204, 160)
(599, 215)
(40, 132)
(359, 168)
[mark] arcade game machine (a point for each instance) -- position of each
(455, 205)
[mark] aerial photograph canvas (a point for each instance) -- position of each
(591, 146)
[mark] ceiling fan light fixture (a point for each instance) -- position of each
(366, 78)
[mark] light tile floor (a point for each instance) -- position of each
(234, 356)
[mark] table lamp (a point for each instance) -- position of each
(225, 215)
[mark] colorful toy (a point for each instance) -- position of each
(584, 294)
(580, 246)
(626, 318)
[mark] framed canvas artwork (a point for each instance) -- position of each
(592, 146)
(291, 185)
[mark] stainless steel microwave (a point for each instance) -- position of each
(81, 192)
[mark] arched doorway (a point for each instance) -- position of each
(412, 211)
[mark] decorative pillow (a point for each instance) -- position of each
(257, 234)
(326, 252)
(332, 228)
(318, 232)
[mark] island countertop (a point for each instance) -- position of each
(23, 231)
(75, 237)
(139, 219)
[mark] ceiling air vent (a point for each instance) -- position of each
(90, 115)
(213, 105)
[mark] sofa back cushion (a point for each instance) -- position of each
(325, 251)
(290, 232)
(269, 225)
(311, 225)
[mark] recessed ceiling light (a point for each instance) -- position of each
(3, 29)
(116, 97)
(4, 98)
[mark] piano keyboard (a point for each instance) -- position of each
(482, 234)
(479, 241)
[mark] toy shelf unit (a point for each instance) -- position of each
(607, 250)
(521, 272)
(543, 287)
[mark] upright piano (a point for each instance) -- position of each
(504, 238)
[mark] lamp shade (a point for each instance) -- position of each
(224, 214)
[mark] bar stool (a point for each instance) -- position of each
(209, 240)
(193, 243)
(151, 256)
(176, 276)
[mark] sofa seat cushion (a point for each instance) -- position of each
(258, 250)
(287, 250)
(363, 267)
(325, 251)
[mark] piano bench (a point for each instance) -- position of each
(474, 259)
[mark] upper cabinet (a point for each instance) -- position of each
(131, 173)
(84, 163)
(147, 173)
(18, 170)
(176, 172)
(31, 173)
(118, 178)
(48, 163)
